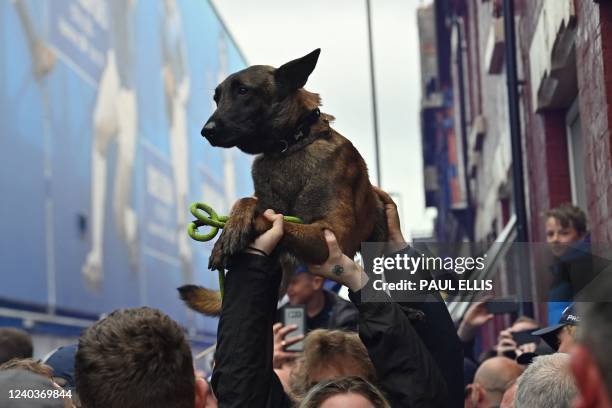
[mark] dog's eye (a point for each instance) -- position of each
(242, 90)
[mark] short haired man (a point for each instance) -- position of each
(591, 358)
(546, 383)
(491, 381)
(14, 343)
(324, 308)
(138, 358)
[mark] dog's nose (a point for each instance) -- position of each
(209, 129)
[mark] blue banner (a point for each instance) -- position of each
(102, 103)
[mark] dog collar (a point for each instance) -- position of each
(302, 131)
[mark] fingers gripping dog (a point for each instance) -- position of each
(303, 168)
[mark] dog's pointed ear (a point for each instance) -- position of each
(294, 74)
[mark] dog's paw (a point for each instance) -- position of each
(218, 259)
(231, 242)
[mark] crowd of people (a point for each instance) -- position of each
(357, 353)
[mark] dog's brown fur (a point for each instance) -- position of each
(322, 178)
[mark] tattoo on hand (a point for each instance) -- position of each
(337, 270)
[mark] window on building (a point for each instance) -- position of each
(575, 151)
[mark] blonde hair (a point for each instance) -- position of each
(324, 348)
(28, 364)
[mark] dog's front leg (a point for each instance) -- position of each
(237, 233)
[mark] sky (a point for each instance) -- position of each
(272, 32)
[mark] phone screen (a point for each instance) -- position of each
(295, 315)
(525, 337)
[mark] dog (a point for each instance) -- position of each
(303, 168)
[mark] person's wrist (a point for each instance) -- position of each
(465, 331)
(356, 279)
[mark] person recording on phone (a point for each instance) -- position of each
(244, 375)
(317, 307)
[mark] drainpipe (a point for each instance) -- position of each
(515, 122)
(463, 124)
(517, 153)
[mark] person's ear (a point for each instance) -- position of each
(317, 282)
(294, 74)
(588, 378)
(477, 394)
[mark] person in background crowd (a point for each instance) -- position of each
(138, 358)
(324, 308)
(493, 378)
(507, 347)
(569, 242)
(546, 383)
(29, 364)
(561, 337)
(14, 380)
(353, 392)
(591, 361)
(14, 343)
(330, 354)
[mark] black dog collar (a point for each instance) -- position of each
(302, 131)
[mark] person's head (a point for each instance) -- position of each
(351, 391)
(565, 225)
(14, 343)
(523, 323)
(303, 286)
(15, 380)
(591, 356)
(561, 336)
(135, 358)
(28, 364)
(330, 354)
(547, 382)
(491, 381)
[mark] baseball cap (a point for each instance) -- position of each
(22, 380)
(569, 317)
(62, 362)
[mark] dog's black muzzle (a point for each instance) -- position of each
(214, 134)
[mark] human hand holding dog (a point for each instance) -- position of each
(267, 241)
(396, 241)
(339, 267)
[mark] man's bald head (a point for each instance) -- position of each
(493, 378)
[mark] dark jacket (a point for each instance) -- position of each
(571, 273)
(436, 330)
(243, 375)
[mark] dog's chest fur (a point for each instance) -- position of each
(299, 183)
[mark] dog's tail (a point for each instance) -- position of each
(202, 300)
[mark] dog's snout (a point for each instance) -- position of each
(209, 129)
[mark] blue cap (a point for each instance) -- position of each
(62, 362)
(569, 317)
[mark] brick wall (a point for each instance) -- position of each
(546, 168)
(594, 59)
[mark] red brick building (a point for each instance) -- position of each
(564, 67)
(568, 135)
(564, 52)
